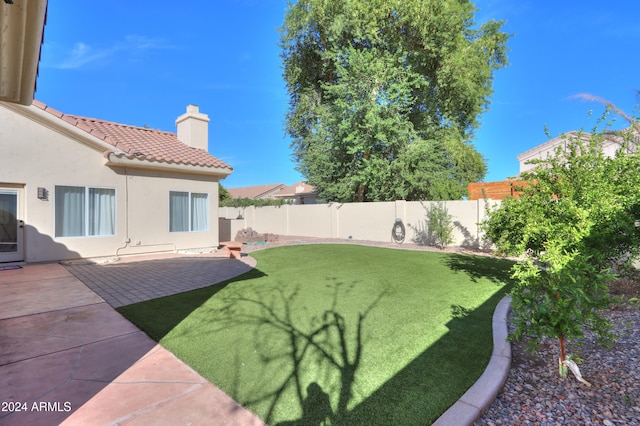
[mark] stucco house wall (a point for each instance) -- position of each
(43, 150)
(147, 210)
(548, 149)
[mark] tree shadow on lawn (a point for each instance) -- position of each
(480, 267)
(421, 391)
(418, 394)
(323, 348)
(324, 354)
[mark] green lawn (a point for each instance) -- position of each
(362, 335)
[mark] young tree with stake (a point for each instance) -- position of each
(575, 220)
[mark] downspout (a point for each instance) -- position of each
(127, 239)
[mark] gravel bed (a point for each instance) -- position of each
(534, 394)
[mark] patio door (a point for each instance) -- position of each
(11, 227)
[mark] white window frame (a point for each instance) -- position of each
(190, 225)
(85, 213)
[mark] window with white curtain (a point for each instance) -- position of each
(188, 211)
(84, 211)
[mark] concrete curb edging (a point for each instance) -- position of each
(479, 397)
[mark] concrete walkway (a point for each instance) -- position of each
(67, 357)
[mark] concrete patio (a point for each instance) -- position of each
(67, 357)
(140, 278)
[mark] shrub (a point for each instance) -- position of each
(437, 229)
(246, 202)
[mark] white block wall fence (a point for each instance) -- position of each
(358, 221)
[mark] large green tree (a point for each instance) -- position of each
(574, 226)
(385, 95)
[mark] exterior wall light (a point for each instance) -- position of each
(43, 194)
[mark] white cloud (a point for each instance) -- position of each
(83, 54)
(144, 43)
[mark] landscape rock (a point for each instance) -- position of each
(248, 235)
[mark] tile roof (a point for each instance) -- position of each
(140, 143)
(301, 187)
(255, 191)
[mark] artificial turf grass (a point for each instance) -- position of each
(364, 335)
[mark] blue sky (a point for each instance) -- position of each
(141, 62)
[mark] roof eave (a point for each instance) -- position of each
(116, 160)
(268, 192)
(21, 31)
(294, 194)
(551, 143)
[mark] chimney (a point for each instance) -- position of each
(193, 128)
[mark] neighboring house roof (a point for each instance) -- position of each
(21, 35)
(297, 189)
(255, 192)
(139, 143)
